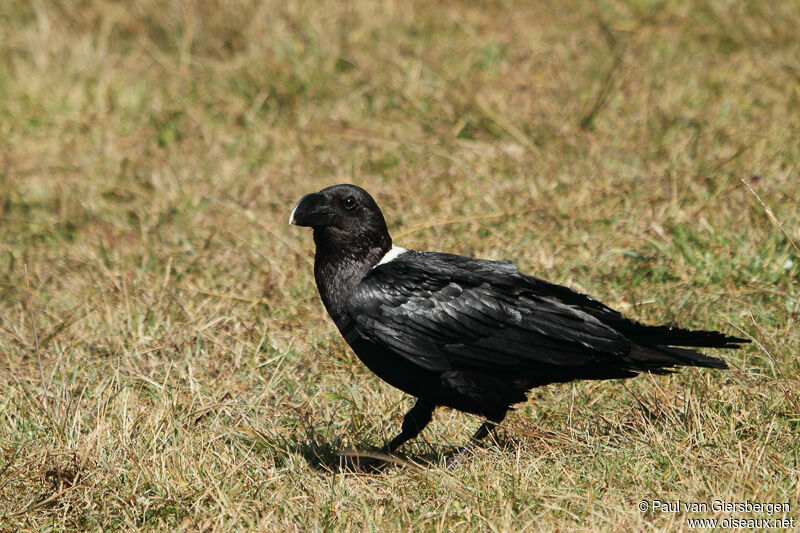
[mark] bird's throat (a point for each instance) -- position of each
(339, 269)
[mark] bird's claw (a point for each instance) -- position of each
(453, 460)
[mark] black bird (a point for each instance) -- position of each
(471, 334)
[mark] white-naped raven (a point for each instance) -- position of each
(471, 334)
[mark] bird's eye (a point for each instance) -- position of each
(349, 203)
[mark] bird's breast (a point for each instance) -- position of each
(393, 368)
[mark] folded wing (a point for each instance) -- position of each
(446, 312)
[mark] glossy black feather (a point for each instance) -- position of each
(446, 312)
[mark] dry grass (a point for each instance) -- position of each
(189, 378)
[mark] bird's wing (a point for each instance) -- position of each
(632, 330)
(446, 312)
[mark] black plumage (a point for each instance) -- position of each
(471, 334)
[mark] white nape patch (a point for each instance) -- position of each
(392, 254)
(291, 217)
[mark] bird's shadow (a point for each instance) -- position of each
(330, 456)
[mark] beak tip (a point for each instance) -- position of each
(292, 221)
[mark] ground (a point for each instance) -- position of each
(182, 373)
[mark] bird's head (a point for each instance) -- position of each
(344, 217)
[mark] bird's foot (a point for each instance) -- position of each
(454, 459)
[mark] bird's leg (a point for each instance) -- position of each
(482, 432)
(414, 422)
(479, 435)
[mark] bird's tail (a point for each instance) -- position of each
(658, 358)
(659, 348)
(656, 336)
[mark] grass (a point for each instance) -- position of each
(182, 373)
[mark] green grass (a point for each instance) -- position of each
(151, 152)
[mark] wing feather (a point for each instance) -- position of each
(446, 312)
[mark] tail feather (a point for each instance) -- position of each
(657, 336)
(656, 359)
(692, 357)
